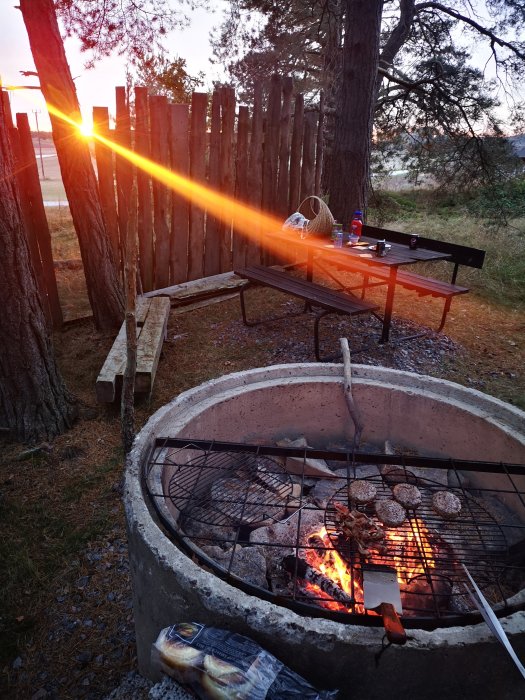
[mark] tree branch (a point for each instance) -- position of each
(494, 39)
(400, 32)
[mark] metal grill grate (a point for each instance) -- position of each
(427, 550)
(230, 488)
(218, 496)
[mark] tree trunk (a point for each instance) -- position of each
(105, 293)
(34, 403)
(350, 161)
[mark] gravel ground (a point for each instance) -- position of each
(424, 355)
(91, 622)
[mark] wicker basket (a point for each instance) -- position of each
(322, 222)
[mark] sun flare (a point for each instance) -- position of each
(85, 129)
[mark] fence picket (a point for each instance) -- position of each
(199, 103)
(158, 113)
(24, 155)
(295, 154)
(271, 145)
(240, 242)
(308, 166)
(106, 181)
(144, 194)
(253, 252)
(212, 259)
(180, 208)
(123, 169)
(319, 147)
(283, 179)
(227, 172)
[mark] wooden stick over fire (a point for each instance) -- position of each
(352, 408)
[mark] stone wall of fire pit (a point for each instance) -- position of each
(427, 415)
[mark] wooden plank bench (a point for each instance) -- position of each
(329, 300)
(152, 320)
(423, 286)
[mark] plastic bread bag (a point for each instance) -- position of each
(221, 665)
(296, 221)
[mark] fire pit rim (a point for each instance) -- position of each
(507, 417)
(258, 614)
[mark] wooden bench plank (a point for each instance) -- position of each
(114, 365)
(150, 344)
(329, 299)
(459, 254)
(424, 286)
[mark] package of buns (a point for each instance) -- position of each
(217, 664)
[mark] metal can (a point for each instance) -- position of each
(381, 248)
(412, 244)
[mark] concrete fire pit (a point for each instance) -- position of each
(430, 416)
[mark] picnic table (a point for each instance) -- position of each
(363, 259)
(319, 254)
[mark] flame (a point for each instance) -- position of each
(329, 563)
(409, 552)
(412, 553)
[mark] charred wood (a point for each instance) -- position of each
(301, 569)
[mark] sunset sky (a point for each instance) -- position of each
(97, 87)
(94, 87)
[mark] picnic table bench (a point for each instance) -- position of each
(424, 286)
(329, 300)
(152, 320)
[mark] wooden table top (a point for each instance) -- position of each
(396, 255)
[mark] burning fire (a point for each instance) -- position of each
(325, 559)
(409, 552)
(412, 553)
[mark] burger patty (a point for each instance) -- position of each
(446, 504)
(390, 512)
(408, 495)
(362, 491)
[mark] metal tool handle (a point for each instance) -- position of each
(395, 632)
(492, 621)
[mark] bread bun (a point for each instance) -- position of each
(223, 681)
(182, 661)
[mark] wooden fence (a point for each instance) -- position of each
(269, 157)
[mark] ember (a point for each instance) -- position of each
(409, 551)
